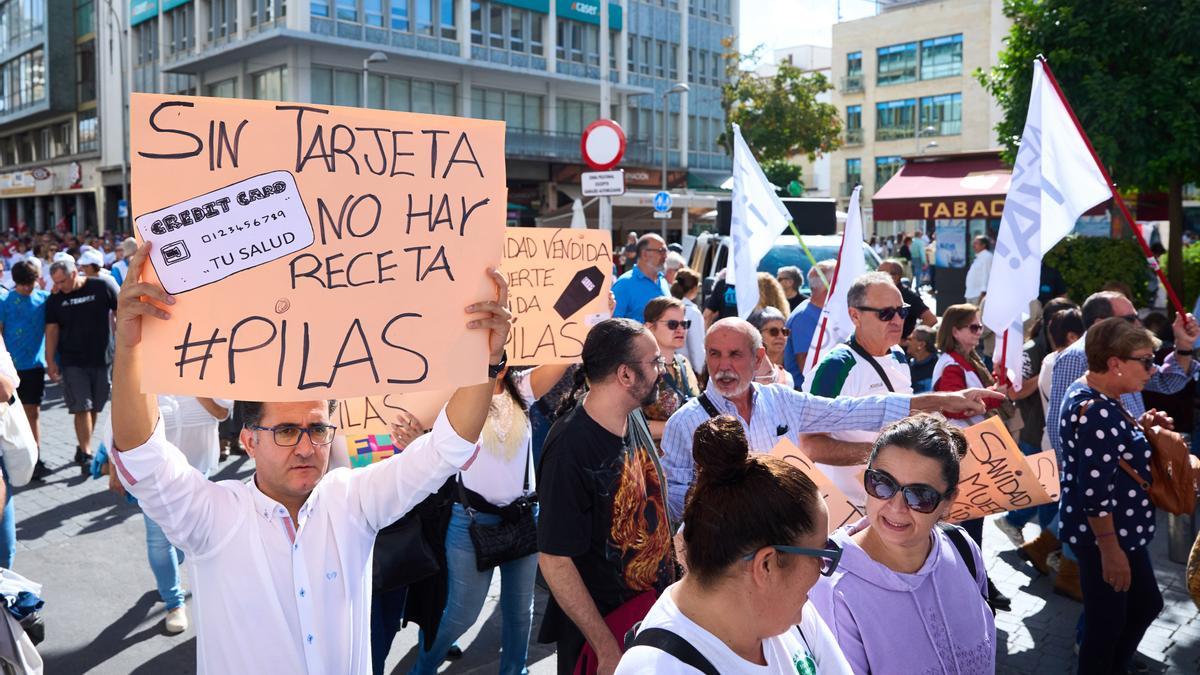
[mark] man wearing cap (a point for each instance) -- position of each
(78, 335)
(91, 263)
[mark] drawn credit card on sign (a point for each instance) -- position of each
(216, 235)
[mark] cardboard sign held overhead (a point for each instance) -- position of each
(841, 510)
(314, 251)
(558, 288)
(374, 414)
(994, 477)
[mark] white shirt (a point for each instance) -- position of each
(693, 346)
(977, 275)
(273, 596)
(193, 429)
(842, 372)
(786, 654)
(1045, 381)
(498, 479)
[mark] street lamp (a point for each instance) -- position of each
(375, 57)
(927, 130)
(677, 88)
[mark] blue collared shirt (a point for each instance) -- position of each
(634, 289)
(1072, 364)
(802, 323)
(778, 412)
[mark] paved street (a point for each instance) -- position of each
(103, 616)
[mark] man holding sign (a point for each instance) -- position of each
(281, 563)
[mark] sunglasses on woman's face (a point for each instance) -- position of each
(676, 325)
(776, 332)
(829, 556)
(918, 496)
(1146, 361)
(974, 328)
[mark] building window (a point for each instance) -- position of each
(941, 57)
(897, 64)
(22, 81)
(702, 75)
(854, 131)
(446, 19)
(660, 58)
(347, 10)
(270, 84)
(222, 19)
(943, 113)
(424, 16)
(83, 18)
(885, 168)
(399, 11)
(222, 89)
(182, 29)
(574, 116)
(319, 8)
(88, 140)
(85, 72)
(854, 64)
(895, 119)
(373, 13)
(853, 175)
(520, 111)
(335, 87)
(62, 140)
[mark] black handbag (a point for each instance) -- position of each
(515, 536)
(402, 555)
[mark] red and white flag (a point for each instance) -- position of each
(1055, 180)
(835, 325)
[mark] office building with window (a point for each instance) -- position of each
(49, 152)
(905, 88)
(533, 63)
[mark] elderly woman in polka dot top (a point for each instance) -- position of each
(1107, 518)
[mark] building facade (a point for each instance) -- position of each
(905, 86)
(49, 141)
(533, 63)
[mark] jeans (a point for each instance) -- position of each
(387, 611)
(468, 589)
(1114, 623)
(8, 524)
(165, 560)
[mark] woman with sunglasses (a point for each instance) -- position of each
(903, 599)
(959, 367)
(755, 534)
(1107, 516)
(770, 322)
(664, 317)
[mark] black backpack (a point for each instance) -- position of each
(958, 537)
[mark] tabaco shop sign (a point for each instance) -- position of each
(934, 209)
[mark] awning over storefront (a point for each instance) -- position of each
(930, 187)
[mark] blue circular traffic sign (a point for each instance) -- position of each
(662, 201)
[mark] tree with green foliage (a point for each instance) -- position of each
(1131, 71)
(784, 175)
(780, 116)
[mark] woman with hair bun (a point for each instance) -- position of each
(909, 595)
(755, 532)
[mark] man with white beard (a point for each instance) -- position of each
(770, 413)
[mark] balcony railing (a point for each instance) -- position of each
(894, 133)
(854, 136)
(852, 84)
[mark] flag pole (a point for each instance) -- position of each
(808, 253)
(1141, 240)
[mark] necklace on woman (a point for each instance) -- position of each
(504, 433)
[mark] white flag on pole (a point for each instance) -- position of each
(835, 324)
(758, 218)
(1055, 179)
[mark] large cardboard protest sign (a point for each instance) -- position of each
(366, 415)
(558, 286)
(1045, 467)
(314, 251)
(841, 510)
(995, 476)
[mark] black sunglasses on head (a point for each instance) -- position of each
(918, 496)
(886, 313)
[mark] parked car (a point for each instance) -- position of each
(711, 253)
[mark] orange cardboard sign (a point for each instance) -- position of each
(841, 510)
(1045, 467)
(558, 286)
(314, 251)
(994, 477)
(367, 415)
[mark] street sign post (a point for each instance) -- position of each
(602, 147)
(603, 183)
(662, 215)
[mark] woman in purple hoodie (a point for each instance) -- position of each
(903, 599)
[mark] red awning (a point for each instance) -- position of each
(942, 187)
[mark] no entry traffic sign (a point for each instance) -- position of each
(602, 145)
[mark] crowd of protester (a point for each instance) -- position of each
(639, 482)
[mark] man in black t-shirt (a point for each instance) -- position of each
(78, 331)
(721, 302)
(603, 533)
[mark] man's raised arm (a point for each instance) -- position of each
(134, 414)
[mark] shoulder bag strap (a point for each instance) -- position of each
(671, 643)
(462, 497)
(959, 539)
(858, 349)
(708, 405)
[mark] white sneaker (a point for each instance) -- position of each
(1011, 531)
(1054, 560)
(177, 620)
